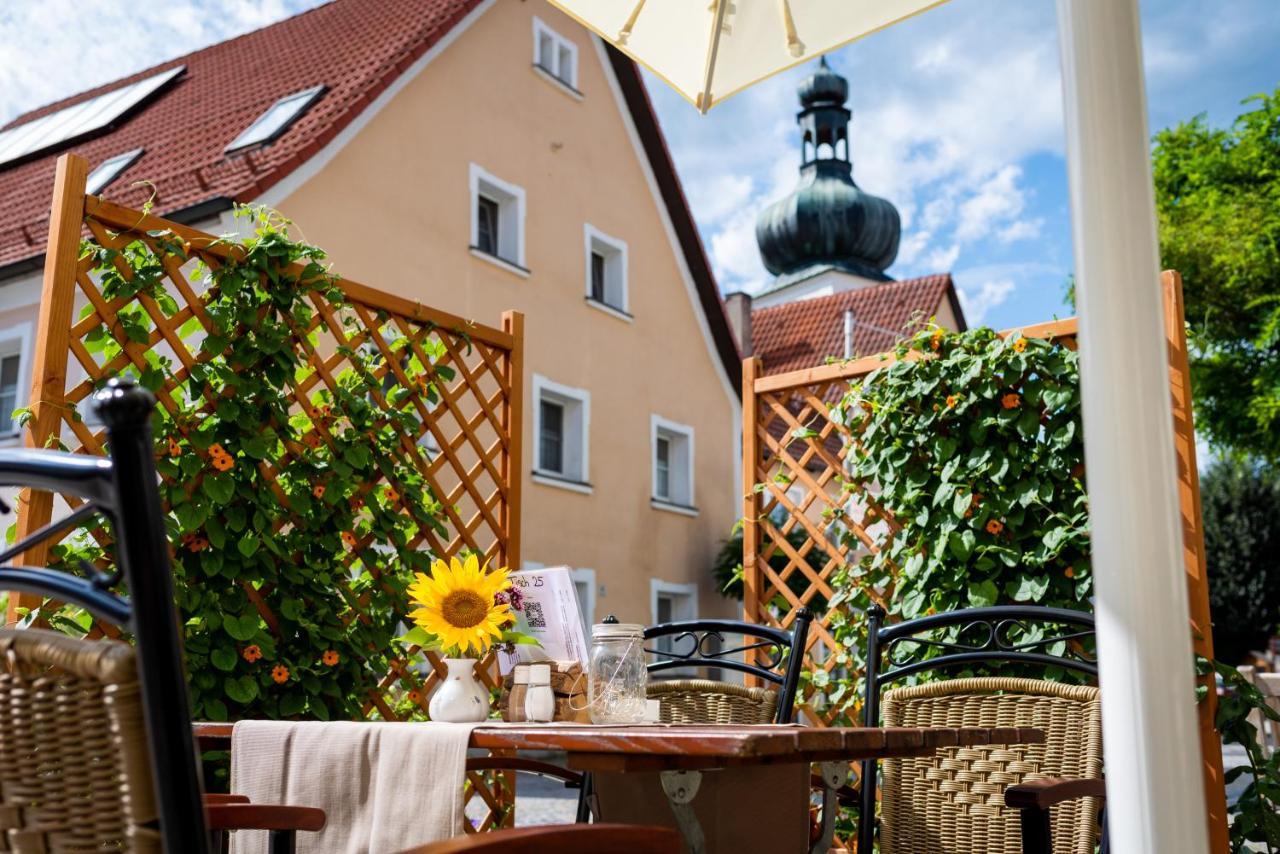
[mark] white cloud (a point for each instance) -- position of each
(977, 302)
(56, 48)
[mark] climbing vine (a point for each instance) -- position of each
(295, 514)
(974, 443)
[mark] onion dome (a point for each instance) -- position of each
(827, 222)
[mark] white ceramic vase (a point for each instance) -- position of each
(461, 698)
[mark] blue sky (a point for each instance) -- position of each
(957, 120)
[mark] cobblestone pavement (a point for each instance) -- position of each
(542, 801)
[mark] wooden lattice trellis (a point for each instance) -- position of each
(788, 430)
(467, 446)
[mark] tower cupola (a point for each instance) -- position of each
(827, 223)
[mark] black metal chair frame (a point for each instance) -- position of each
(704, 639)
(994, 647)
(123, 489)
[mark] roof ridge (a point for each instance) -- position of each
(151, 70)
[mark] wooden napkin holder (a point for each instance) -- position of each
(568, 683)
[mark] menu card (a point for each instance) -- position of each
(551, 615)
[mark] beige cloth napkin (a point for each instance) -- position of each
(384, 786)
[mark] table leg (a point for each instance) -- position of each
(681, 787)
(835, 775)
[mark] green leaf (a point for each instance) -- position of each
(224, 658)
(961, 544)
(248, 545)
(243, 690)
(418, 636)
(981, 594)
(1028, 588)
(241, 628)
(293, 703)
(220, 487)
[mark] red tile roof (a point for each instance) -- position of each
(356, 49)
(804, 333)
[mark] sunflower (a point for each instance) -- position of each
(456, 604)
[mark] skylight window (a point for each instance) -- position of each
(277, 119)
(108, 170)
(80, 120)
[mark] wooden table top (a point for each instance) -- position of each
(660, 747)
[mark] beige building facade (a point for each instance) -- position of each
(504, 169)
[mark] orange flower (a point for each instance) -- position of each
(1069, 572)
(280, 674)
(174, 448)
(415, 696)
(312, 440)
(1011, 401)
(349, 539)
(995, 526)
(330, 657)
(1020, 344)
(216, 450)
(390, 494)
(930, 611)
(195, 542)
(936, 341)
(318, 490)
(952, 400)
(251, 653)
(223, 462)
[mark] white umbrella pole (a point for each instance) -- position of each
(1155, 801)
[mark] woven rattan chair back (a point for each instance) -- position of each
(72, 729)
(705, 701)
(74, 769)
(953, 801)
(766, 655)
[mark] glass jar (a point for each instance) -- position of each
(617, 676)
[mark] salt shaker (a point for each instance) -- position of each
(540, 703)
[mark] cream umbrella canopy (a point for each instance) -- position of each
(709, 49)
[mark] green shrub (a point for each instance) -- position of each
(1241, 507)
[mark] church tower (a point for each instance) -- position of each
(828, 235)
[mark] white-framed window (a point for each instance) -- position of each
(497, 221)
(15, 379)
(671, 451)
(555, 55)
(561, 434)
(670, 603)
(277, 119)
(584, 584)
(606, 271)
(109, 170)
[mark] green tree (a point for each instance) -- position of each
(1242, 543)
(1218, 203)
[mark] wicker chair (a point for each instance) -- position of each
(96, 749)
(994, 798)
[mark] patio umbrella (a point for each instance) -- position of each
(709, 49)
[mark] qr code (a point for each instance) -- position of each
(533, 614)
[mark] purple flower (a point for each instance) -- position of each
(501, 598)
(517, 599)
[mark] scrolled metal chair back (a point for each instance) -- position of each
(123, 490)
(772, 655)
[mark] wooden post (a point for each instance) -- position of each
(513, 422)
(750, 498)
(49, 363)
(1184, 438)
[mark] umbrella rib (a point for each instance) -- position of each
(704, 97)
(794, 45)
(625, 32)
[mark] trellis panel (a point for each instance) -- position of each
(792, 485)
(466, 446)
